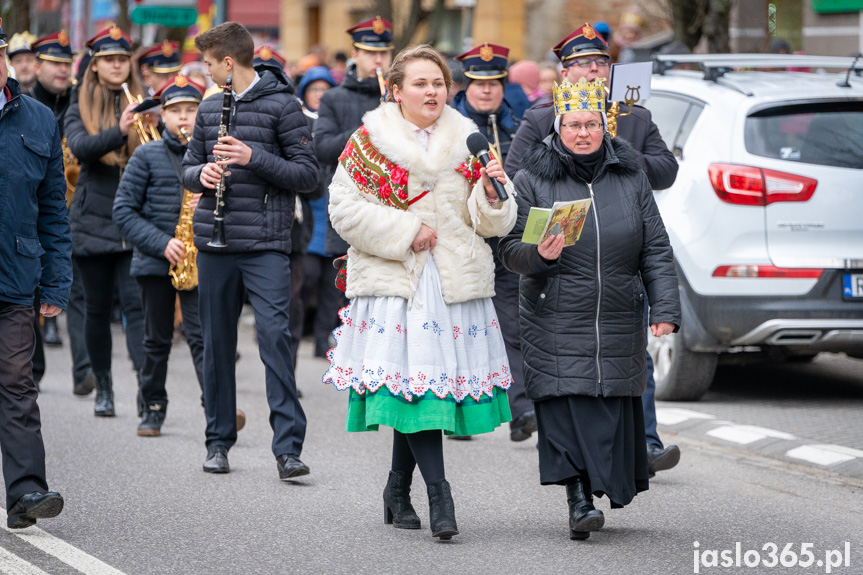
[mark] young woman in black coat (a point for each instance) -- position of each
(581, 307)
(100, 133)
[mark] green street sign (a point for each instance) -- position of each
(170, 16)
(827, 6)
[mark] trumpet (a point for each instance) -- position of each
(184, 134)
(146, 130)
(382, 83)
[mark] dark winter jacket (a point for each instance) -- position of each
(148, 202)
(341, 113)
(582, 316)
(637, 129)
(93, 229)
(260, 201)
(35, 246)
(507, 121)
(58, 103)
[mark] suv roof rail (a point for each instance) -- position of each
(717, 65)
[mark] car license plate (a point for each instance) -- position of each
(853, 286)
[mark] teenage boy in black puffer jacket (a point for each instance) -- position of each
(269, 159)
(147, 209)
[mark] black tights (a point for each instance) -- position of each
(423, 449)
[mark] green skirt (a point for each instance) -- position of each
(468, 417)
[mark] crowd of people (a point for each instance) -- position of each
(352, 187)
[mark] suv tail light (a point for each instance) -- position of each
(753, 271)
(750, 186)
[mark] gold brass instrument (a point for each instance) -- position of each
(613, 112)
(382, 83)
(218, 240)
(71, 169)
(495, 147)
(184, 274)
(146, 130)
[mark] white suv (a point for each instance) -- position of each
(765, 217)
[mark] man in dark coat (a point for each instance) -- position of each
(342, 108)
(485, 101)
(53, 74)
(35, 256)
(584, 54)
(269, 158)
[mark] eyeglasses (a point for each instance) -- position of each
(601, 62)
(575, 127)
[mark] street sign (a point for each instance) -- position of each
(170, 16)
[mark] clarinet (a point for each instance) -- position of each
(218, 240)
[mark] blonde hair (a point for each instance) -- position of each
(408, 55)
(96, 103)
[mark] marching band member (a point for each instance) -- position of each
(150, 201)
(53, 88)
(159, 64)
(99, 131)
(266, 158)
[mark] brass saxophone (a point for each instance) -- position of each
(71, 169)
(184, 274)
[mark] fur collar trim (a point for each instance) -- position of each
(393, 136)
(543, 161)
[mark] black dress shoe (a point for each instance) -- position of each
(217, 459)
(86, 385)
(290, 467)
(523, 426)
(32, 506)
(660, 459)
(583, 516)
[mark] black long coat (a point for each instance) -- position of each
(582, 316)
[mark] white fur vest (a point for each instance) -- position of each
(380, 259)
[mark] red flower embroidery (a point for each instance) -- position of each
(385, 190)
(403, 194)
(362, 180)
(399, 176)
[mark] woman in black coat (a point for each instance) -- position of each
(100, 133)
(581, 308)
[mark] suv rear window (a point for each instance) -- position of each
(824, 133)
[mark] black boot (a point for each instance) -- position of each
(50, 336)
(441, 510)
(398, 510)
(104, 395)
(583, 516)
(154, 417)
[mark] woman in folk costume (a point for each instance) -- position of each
(419, 347)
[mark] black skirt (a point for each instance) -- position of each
(599, 439)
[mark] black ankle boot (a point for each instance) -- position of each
(154, 417)
(398, 510)
(441, 510)
(104, 395)
(583, 516)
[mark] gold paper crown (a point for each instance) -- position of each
(584, 96)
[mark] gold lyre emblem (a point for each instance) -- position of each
(265, 53)
(115, 33)
(180, 81)
(632, 95)
(588, 32)
(63, 38)
(486, 53)
(167, 49)
(378, 26)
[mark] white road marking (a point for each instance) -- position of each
(675, 415)
(825, 454)
(11, 564)
(744, 434)
(59, 549)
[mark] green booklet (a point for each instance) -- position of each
(565, 218)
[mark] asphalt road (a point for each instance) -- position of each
(144, 506)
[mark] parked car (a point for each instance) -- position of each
(765, 217)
